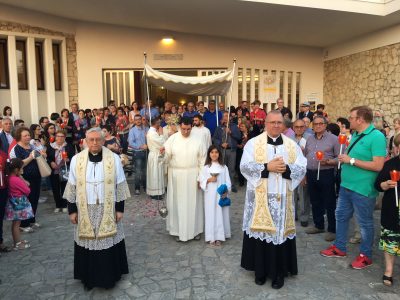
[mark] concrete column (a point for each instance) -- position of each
(252, 84)
(64, 73)
(12, 67)
(49, 75)
(294, 108)
(32, 81)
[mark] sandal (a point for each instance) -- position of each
(22, 245)
(218, 243)
(388, 281)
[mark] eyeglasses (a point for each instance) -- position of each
(318, 124)
(299, 127)
(62, 136)
(275, 123)
(350, 117)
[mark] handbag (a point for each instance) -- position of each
(63, 173)
(19, 203)
(44, 168)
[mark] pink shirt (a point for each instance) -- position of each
(17, 187)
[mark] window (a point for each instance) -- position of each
(290, 87)
(57, 67)
(39, 66)
(298, 86)
(240, 84)
(257, 84)
(248, 85)
(4, 79)
(21, 65)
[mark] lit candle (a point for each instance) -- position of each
(320, 156)
(64, 155)
(52, 139)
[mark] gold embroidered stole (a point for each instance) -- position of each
(262, 219)
(108, 226)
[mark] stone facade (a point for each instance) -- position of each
(368, 78)
(72, 68)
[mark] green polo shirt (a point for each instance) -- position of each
(360, 180)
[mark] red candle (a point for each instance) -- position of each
(64, 155)
(80, 141)
(62, 125)
(395, 175)
(52, 139)
(121, 126)
(319, 155)
(342, 139)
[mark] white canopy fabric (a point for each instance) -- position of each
(212, 85)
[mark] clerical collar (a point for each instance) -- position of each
(98, 157)
(275, 141)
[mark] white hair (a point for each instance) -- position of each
(97, 130)
(6, 119)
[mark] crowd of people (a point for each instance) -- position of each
(293, 166)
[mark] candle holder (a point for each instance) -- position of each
(395, 176)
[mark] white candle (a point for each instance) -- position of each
(397, 196)
(1, 178)
(340, 152)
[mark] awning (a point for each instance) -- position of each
(211, 85)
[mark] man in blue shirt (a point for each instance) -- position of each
(190, 113)
(210, 117)
(137, 143)
(227, 140)
(144, 112)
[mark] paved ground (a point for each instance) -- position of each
(161, 268)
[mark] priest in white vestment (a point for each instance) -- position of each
(155, 187)
(201, 131)
(96, 191)
(185, 156)
(274, 166)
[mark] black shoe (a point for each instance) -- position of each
(260, 281)
(278, 282)
(304, 224)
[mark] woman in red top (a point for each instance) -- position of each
(122, 128)
(258, 115)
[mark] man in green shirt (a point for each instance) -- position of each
(363, 160)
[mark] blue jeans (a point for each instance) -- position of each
(139, 160)
(363, 207)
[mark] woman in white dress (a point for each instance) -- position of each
(214, 174)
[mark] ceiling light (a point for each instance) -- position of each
(167, 40)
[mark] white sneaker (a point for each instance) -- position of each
(65, 210)
(57, 210)
(42, 199)
(35, 225)
(26, 229)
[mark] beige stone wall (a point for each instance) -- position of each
(367, 78)
(72, 69)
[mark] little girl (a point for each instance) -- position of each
(213, 174)
(18, 207)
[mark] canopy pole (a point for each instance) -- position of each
(229, 107)
(216, 109)
(147, 87)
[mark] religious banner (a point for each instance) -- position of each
(271, 88)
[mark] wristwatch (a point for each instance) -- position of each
(352, 161)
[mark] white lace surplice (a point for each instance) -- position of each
(95, 211)
(276, 185)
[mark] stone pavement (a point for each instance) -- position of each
(161, 268)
